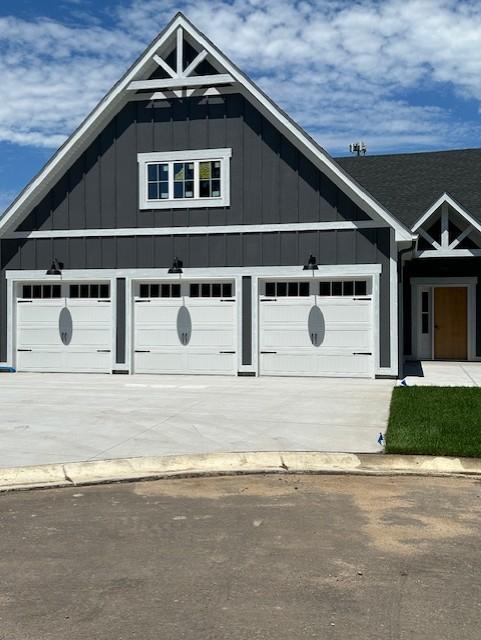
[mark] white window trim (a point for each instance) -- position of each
(192, 155)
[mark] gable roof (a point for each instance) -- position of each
(142, 70)
(454, 205)
(409, 183)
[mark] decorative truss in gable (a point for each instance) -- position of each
(180, 63)
(447, 230)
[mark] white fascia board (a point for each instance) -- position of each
(196, 230)
(110, 104)
(452, 203)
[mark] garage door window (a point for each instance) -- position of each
(211, 290)
(41, 291)
(155, 290)
(281, 289)
(88, 290)
(343, 288)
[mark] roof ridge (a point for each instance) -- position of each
(411, 153)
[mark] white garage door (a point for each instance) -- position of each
(185, 328)
(316, 329)
(65, 327)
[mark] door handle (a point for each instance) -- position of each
(436, 326)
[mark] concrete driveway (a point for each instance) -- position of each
(48, 418)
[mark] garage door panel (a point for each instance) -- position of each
(323, 365)
(212, 337)
(203, 363)
(281, 313)
(186, 335)
(156, 313)
(353, 313)
(90, 337)
(38, 313)
(154, 362)
(286, 364)
(53, 361)
(156, 336)
(316, 336)
(39, 341)
(214, 313)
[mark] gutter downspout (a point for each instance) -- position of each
(402, 253)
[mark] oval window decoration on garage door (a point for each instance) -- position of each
(316, 326)
(65, 326)
(184, 325)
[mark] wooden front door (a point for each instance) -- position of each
(451, 323)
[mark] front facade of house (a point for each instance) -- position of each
(180, 218)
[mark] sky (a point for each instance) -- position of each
(401, 75)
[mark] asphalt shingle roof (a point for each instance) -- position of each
(407, 184)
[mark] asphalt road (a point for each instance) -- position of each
(276, 557)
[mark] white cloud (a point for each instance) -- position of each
(343, 69)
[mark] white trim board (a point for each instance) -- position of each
(195, 230)
(448, 253)
(446, 198)
(195, 156)
(113, 101)
(294, 271)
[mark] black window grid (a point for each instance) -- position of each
(41, 291)
(210, 290)
(345, 288)
(86, 290)
(159, 290)
(287, 289)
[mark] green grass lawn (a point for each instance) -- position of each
(442, 421)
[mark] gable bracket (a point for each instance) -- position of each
(461, 237)
(429, 239)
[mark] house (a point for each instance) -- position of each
(190, 226)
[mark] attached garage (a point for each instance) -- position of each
(185, 327)
(316, 328)
(64, 327)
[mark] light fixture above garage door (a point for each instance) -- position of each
(176, 266)
(311, 264)
(55, 268)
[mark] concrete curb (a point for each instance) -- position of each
(130, 469)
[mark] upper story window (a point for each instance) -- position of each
(184, 179)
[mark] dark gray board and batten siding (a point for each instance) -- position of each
(271, 182)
